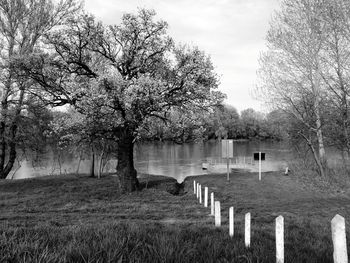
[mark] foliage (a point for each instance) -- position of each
(222, 122)
(22, 26)
(305, 72)
(122, 76)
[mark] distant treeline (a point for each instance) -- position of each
(222, 122)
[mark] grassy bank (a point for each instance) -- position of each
(81, 219)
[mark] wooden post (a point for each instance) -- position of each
(212, 204)
(280, 239)
(197, 193)
(231, 220)
(247, 230)
(259, 166)
(217, 214)
(200, 194)
(340, 254)
(206, 197)
(194, 187)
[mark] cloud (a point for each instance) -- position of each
(231, 31)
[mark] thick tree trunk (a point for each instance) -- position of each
(125, 169)
(12, 150)
(2, 149)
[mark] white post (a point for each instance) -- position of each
(206, 197)
(217, 214)
(280, 239)
(340, 254)
(259, 166)
(194, 186)
(231, 226)
(197, 192)
(247, 230)
(212, 204)
(200, 194)
(287, 171)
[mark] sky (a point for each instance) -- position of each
(232, 32)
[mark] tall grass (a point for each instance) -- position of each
(337, 174)
(156, 243)
(81, 219)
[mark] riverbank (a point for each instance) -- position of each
(82, 219)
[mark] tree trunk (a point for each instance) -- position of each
(319, 133)
(2, 149)
(78, 166)
(92, 167)
(125, 169)
(12, 154)
(318, 161)
(100, 165)
(321, 148)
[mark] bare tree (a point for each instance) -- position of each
(291, 68)
(336, 71)
(290, 71)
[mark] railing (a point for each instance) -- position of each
(235, 160)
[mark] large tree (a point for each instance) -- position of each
(124, 75)
(22, 25)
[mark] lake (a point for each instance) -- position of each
(160, 158)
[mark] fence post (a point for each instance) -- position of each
(197, 192)
(217, 214)
(212, 204)
(280, 239)
(194, 186)
(200, 194)
(206, 197)
(247, 230)
(340, 254)
(231, 225)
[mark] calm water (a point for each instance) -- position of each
(179, 161)
(167, 159)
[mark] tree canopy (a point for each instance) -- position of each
(122, 76)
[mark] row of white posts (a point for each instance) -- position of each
(340, 254)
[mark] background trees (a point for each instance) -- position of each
(22, 26)
(304, 73)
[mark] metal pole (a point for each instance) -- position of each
(228, 161)
(259, 166)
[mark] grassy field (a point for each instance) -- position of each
(82, 219)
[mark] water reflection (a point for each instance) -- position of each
(179, 161)
(169, 159)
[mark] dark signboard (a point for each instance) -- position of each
(256, 156)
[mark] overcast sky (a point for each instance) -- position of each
(232, 32)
